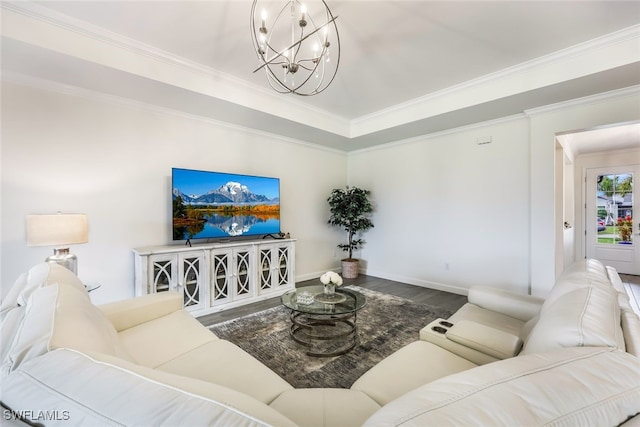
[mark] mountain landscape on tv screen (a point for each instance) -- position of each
(228, 211)
(232, 193)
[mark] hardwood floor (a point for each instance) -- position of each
(417, 294)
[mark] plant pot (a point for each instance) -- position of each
(350, 268)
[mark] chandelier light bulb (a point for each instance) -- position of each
(303, 11)
(297, 41)
(263, 39)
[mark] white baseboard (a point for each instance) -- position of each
(316, 275)
(419, 282)
(396, 278)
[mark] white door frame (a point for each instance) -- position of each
(625, 258)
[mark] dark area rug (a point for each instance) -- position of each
(385, 324)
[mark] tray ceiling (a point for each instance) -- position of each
(407, 68)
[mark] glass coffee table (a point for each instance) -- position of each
(326, 328)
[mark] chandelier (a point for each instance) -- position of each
(299, 49)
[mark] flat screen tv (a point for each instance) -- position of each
(216, 205)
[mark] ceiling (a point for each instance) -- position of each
(407, 68)
(605, 138)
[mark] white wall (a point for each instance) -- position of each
(569, 192)
(545, 123)
(111, 160)
(450, 214)
(564, 209)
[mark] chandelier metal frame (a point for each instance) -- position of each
(284, 52)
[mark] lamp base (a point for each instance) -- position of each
(63, 257)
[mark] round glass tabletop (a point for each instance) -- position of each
(303, 300)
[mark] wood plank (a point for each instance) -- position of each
(445, 300)
(433, 297)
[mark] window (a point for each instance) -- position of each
(615, 209)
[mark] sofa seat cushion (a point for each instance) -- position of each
(567, 387)
(587, 316)
(492, 319)
(165, 338)
(77, 389)
(222, 362)
(325, 407)
(413, 365)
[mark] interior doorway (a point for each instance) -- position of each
(606, 168)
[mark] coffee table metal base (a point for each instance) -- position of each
(325, 335)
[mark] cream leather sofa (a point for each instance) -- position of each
(569, 360)
(544, 362)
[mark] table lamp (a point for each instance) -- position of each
(59, 230)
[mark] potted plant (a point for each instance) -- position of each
(349, 209)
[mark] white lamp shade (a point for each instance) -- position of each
(56, 229)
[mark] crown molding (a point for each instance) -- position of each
(425, 103)
(96, 96)
(592, 99)
(627, 152)
(337, 124)
(190, 75)
(426, 137)
(587, 100)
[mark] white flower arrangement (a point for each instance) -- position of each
(331, 277)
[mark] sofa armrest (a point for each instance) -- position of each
(519, 306)
(485, 339)
(435, 333)
(128, 313)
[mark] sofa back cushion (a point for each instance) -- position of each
(14, 304)
(582, 273)
(45, 274)
(59, 314)
(587, 316)
(568, 387)
(615, 280)
(629, 320)
(631, 330)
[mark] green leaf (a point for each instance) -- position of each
(349, 209)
